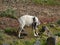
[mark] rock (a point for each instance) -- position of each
(37, 42)
(52, 25)
(6, 44)
(44, 29)
(57, 39)
(51, 41)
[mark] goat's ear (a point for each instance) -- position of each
(34, 19)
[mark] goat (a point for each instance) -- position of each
(27, 20)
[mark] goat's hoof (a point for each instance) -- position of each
(35, 35)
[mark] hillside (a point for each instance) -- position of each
(48, 12)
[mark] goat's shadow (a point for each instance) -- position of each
(13, 33)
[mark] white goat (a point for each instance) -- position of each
(28, 20)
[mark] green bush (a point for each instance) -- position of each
(1, 35)
(27, 43)
(58, 22)
(58, 34)
(8, 13)
(58, 43)
(8, 30)
(43, 41)
(1, 42)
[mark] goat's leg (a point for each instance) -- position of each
(37, 31)
(33, 28)
(20, 30)
(19, 33)
(34, 31)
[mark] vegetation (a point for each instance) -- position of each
(8, 13)
(58, 34)
(58, 44)
(1, 35)
(58, 22)
(48, 2)
(7, 38)
(9, 29)
(12, 40)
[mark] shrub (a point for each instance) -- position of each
(8, 13)
(58, 43)
(43, 42)
(58, 22)
(28, 43)
(1, 35)
(1, 42)
(58, 34)
(10, 31)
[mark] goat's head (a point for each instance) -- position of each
(35, 22)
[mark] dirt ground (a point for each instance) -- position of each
(45, 13)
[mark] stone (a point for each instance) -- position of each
(52, 25)
(37, 42)
(6, 44)
(51, 41)
(44, 29)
